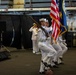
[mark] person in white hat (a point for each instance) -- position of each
(56, 46)
(42, 22)
(47, 51)
(34, 30)
(48, 28)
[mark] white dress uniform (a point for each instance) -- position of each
(47, 51)
(34, 39)
(63, 46)
(58, 49)
(56, 46)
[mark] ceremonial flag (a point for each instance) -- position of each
(62, 16)
(54, 14)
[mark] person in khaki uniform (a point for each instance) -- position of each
(34, 30)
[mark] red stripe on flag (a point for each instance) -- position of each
(54, 13)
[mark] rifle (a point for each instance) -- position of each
(39, 26)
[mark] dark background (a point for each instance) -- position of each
(21, 25)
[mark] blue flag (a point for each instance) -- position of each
(62, 16)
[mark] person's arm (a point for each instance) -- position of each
(31, 29)
(36, 31)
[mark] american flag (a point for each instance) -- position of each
(54, 13)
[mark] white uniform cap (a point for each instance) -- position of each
(42, 19)
(46, 20)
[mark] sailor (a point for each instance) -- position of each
(58, 49)
(34, 30)
(47, 51)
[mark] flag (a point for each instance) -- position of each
(54, 14)
(62, 16)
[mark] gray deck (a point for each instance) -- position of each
(24, 62)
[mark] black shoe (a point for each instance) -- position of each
(42, 72)
(61, 63)
(46, 65)
(49, 66)
(55, 66)
(61, 58)
(56, 63)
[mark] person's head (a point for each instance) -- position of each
(42, 21)
(47, 23)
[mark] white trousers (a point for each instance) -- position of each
(58, 48)
(42, 66)
(35, 45)
(48, 53)
(64, 48)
